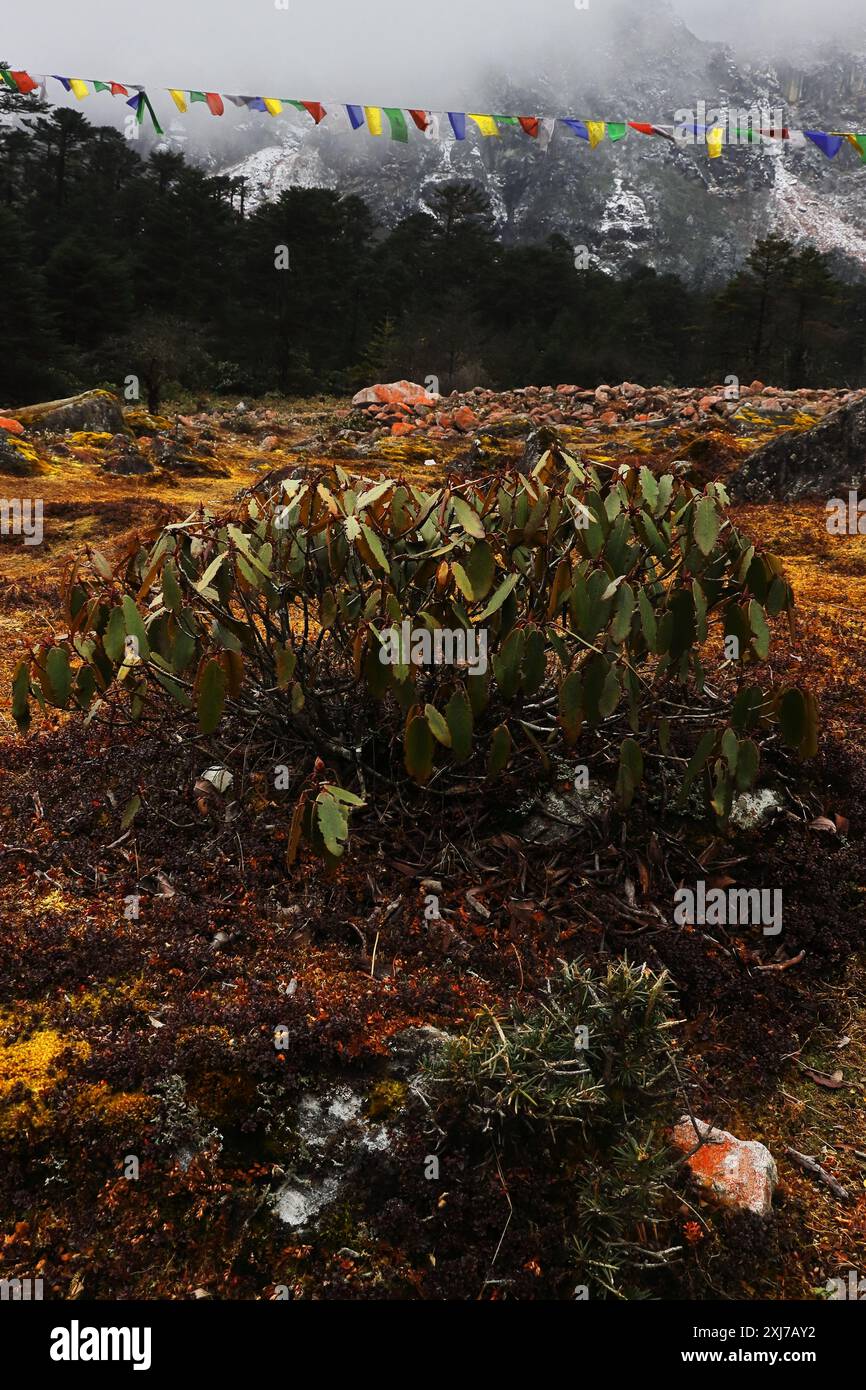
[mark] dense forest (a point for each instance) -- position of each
(111, 265)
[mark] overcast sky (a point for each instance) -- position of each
(392, 52)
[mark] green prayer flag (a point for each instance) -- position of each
(506, 120)
(860, 142)
(397, 122)
(101, 87)
(616, 130)
(8, 79)
(197, 96)
(145, 101)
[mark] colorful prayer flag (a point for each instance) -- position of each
(595, 131)
(397, 122)
(178, 99)
(421, 119)
(214, 103)
(80, 88)
(24, 82)
(458, 124)
(531, 125)
(273, 106)
(830, 145)
(374, 119)
(356, 116)
(715, 141)
(486, 124)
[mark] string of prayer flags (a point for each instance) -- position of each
(830, 145)
(435, 124)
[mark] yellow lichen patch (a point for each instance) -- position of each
(142, 422)
(29, 1071)
(30, 465)
(115, 1109)
(132, 994)
(385, 1098)
(90, 439)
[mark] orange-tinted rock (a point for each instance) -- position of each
(11, 426)
(402, 427)
(394, 393)
(737, 1172)
(465, 419)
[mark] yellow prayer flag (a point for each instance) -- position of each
(485, 124)
(78, 87)
(178, 99)
(374, 119)
(273, 105)
(595, 130)
(715, 139)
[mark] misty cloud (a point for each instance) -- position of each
(419, 52)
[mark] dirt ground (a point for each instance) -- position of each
(97, 1010)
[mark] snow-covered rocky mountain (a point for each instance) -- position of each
(646, 199)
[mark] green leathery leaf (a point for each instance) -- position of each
(706, 526)
(438, 725)
(332, 822)
(21, 695)
(468, 518)
(418, 749)
(211, 697)
(135, 626)
(458, 715)
(500, 750)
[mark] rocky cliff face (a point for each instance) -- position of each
(667, 206)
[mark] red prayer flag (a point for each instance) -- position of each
(24, 83)
(644, 129)
(316, 110)
(118, 91)
(530, 125)
(215, 103)
(420, 118)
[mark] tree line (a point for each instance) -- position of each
(114, 265)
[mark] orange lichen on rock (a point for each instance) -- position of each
(737, 1172)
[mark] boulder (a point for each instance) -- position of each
(537, 445)
(124, 457)
(394, 393)
(98, 412)
(738, 1172)
(823, 462)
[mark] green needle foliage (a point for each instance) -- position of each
(587, 1109)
